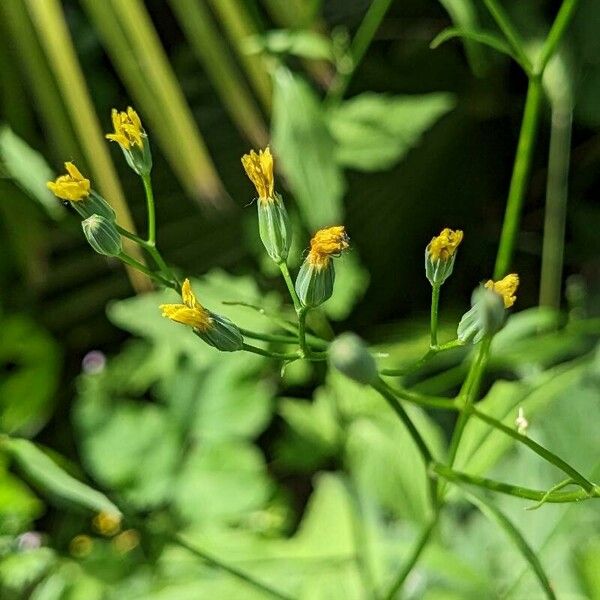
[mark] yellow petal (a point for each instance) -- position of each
(506, 287)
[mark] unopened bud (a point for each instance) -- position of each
(274, 227)
(349, 355)
(485, 317)
(102, 235)
(440, 255)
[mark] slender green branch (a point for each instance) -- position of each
(511, 34)
(412, 559)
(290, 285)
(215, 562)
(304, 347)
(550, 457)
(520, 176)
(553, 496)
(150, 208)
(144, 269)
(269, 354)
(268, 337)
(562, 21)
(362, 39)
(423, 400)
(423, 360)
(435, 300)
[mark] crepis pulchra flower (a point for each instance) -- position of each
(440, 255)
(77, 190)
(214, 329)
(314, 284)
(131, 137)
(273, 221)
(488, 309)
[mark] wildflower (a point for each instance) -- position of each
(259, 168)
(215, 330)
(132, 138)
(273, 220)
(349, 355)
(126, 541)
(506, 288)
(81, 546)
(521, 423)
(73, 186)
(106, 523)
(102, 235)
(314, 284)
(440, 255)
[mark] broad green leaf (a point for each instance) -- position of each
(29, 170)
(374, 131)
(303, 43)
(53, 480)
(305, 150)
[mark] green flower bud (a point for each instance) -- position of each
(314, 284)
(349, 355)
(94, 204)
(440, 255)
(223, 334)
(102, 235)
(486, 316)
(274, 228)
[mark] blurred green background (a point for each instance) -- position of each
(305, 479)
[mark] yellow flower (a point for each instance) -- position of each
(81, 546)
(106, 523)
(191, 312)
(126, 541)
(444, 245)
(259, 168)
(128, 129)
(73, 186)
(326, 243)
(506, 288)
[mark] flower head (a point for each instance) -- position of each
(443, 246)
(191, 312)
(128, 129)
(259, 168)
(328, 242)
(73, 186)
(506, 288)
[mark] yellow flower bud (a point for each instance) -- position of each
(107, 524)
(81, 546)
(73, 186)
(259, 168)
(440, 255)
(506, 287)
(132, 138)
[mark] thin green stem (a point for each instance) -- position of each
(423, 360)
(562, 21)
(411, 561)
(144, 269)
(554, 497)
(435, 300)
(268, 337)
(360, 43)
(511, 34)
(550, 457)
(290, 285)
(269, 354)
(423, 400)
(520, 176)
(215, 562)
(151, 240)
(304, 347)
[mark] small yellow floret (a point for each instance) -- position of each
(444, 245)
(81, 546)
(191, 312)
(128, 129)
(328, 242)
(506, 288)
(73, 186)
(107, 523)
(259, 168)
(126, 541)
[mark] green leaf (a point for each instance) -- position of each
(53, 480)
(30, 171)
(482, 37)
(374, 131)
(305, 150)
(302, 43)
(18, 505)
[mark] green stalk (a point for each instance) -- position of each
(268, 337)
(514, 490)
(285, 272)
(135, 22)
(207, 42)
(136, 264)
(151, 211)
(304, 347)
(358, 48)
(511, 34)
(435, 300)
(56, 40)
(239, 27)
(423, 360)
(269, 354)
(520, 177)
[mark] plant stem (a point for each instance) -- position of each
(151, 240)
(362, 39)
(422, 400)
(268, 337)
(269, 354)
(304, 347)
(128, 260)
(511, 34)
(290, 285)
(561, 22)
(513, 490)
(215, 562)
(520, 176)
(412, 559)
(435, 300)
(424, 359)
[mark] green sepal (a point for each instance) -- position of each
(438, 270)
(223, 335)
(486, 316)
(94, 204)
(314, 286)
(274, 228)
(102, 235)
